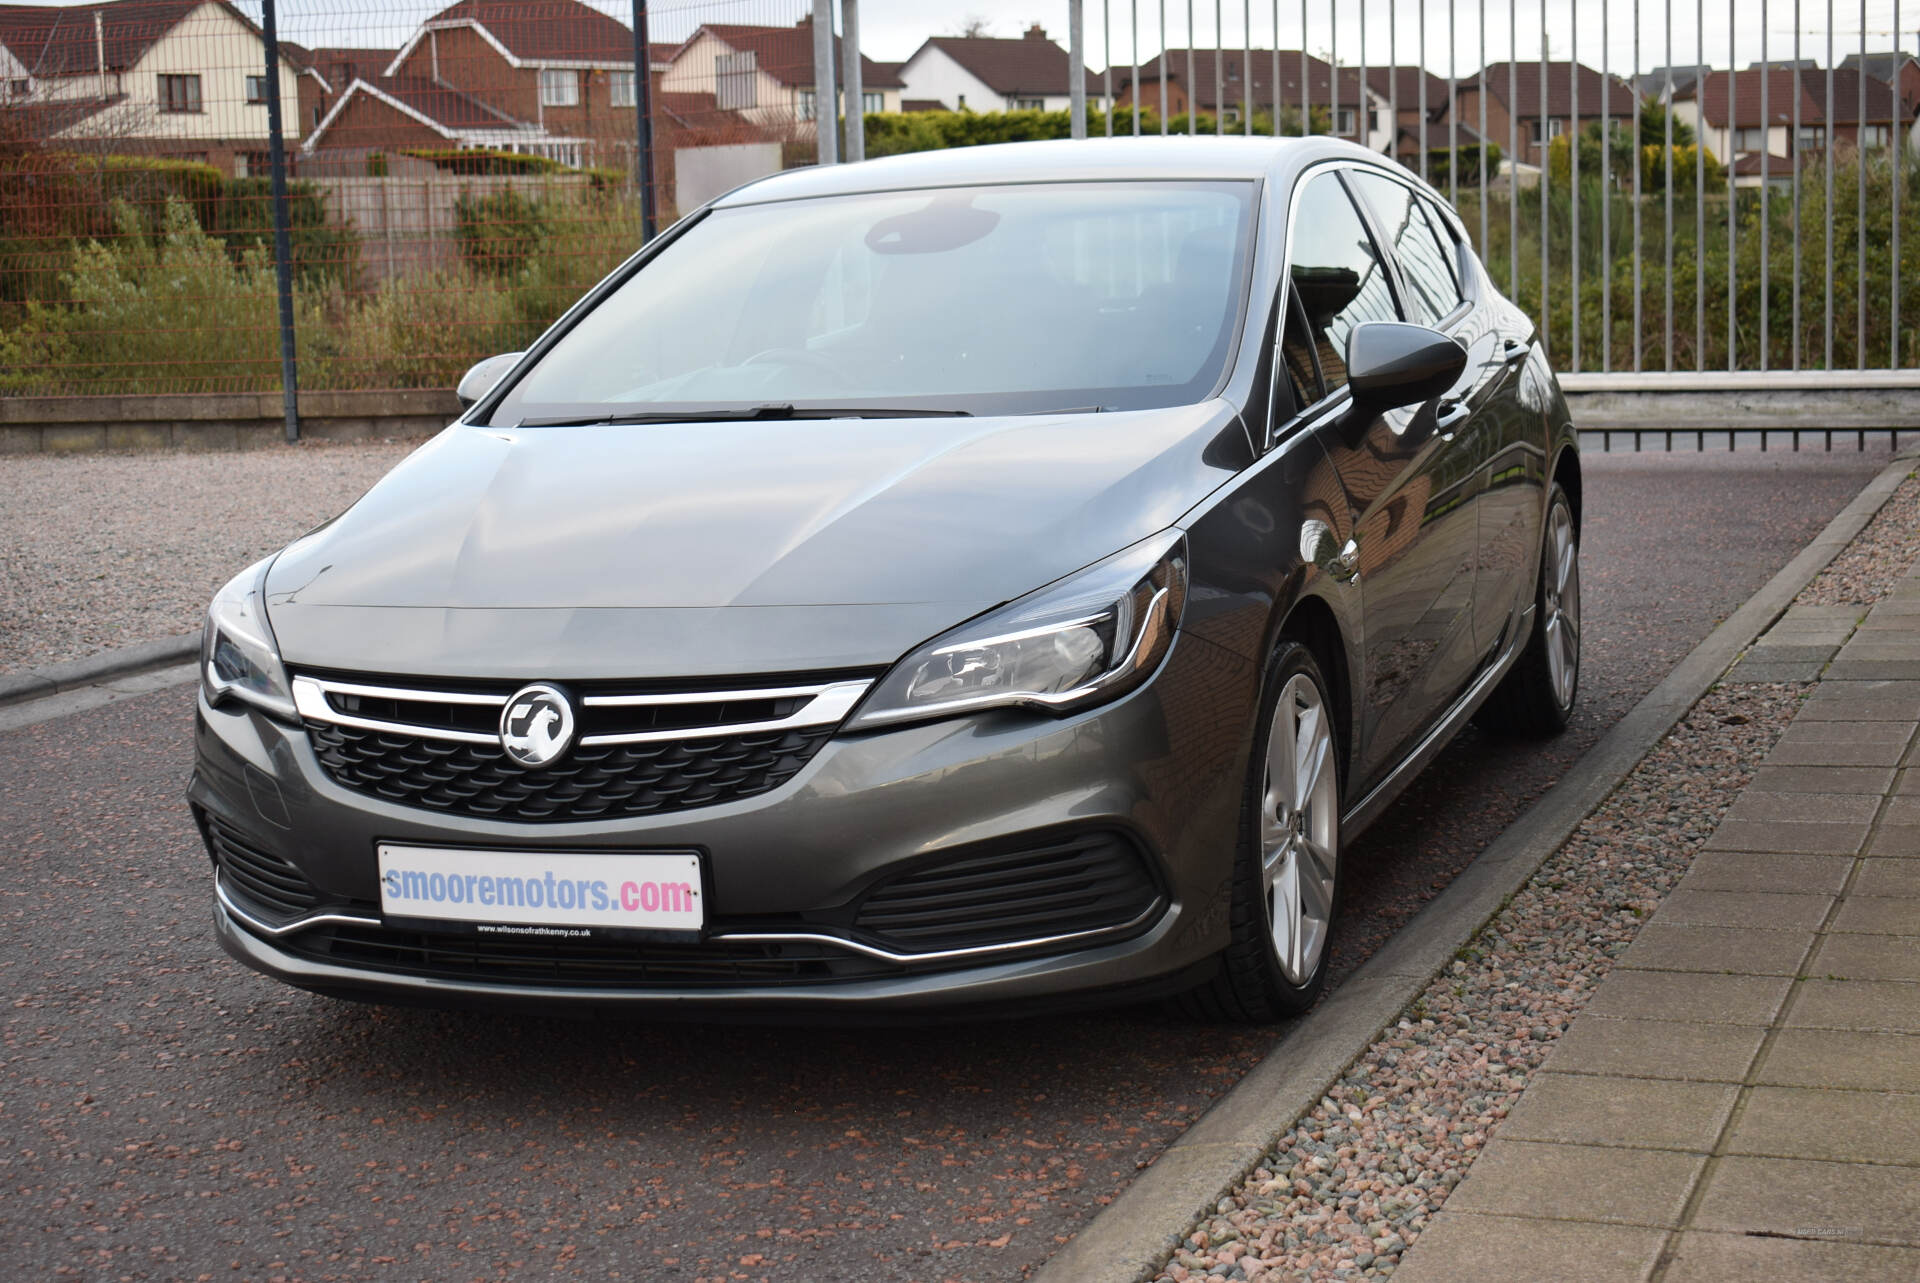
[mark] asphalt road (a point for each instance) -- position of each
(165, 1114)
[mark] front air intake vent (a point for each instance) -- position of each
(1088, 883)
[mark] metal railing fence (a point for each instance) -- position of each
(444, 179)
(1741, 214)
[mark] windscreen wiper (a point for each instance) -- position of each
(781, 410)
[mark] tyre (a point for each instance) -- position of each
(1287, 864)
(1536, 697)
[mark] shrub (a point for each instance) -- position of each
(420, 331)
(498, 232)
(487, 162)
(323, 252)
(182, 315)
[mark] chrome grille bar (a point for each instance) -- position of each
(827, 703)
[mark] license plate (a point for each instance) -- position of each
(515, 890)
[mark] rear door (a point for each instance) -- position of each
(1409, 489)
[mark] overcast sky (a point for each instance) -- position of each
(893, 29)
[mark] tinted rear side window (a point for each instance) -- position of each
(1337, 273)
(1424, 266)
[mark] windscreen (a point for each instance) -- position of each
(990, 300)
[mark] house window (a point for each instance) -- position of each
(872, 103)
(316, 118)
(1029, 104)
(1750, 138)
(736, 81)
(252, 164)
(19, 88)
(1873, 136)
(179, 93)
(1343, 121)
(256, 89)
(808, 103)
(1812, 138)
(620, 88)
(1555, 126)
(559, 88)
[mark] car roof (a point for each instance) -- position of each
(1057, 161)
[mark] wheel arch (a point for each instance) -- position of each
(1312, 622)
(1566, 471)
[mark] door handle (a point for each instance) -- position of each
(1513, 350)
(1448, 418)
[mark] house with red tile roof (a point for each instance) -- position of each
(177, 78)
(552, 78)
(1726, 110)
(987, 73)
(1222, 85)
(1531, 104)
(766, 73)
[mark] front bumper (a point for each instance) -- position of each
(1161, 768)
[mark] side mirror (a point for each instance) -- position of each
(1391, 364)
(480, 380)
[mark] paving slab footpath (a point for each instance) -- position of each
(1741, 1097)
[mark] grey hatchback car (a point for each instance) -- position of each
(967, 579)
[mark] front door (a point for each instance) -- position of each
(1410, 483)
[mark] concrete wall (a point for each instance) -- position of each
(235, 421)
(702, 173)
(410, 224)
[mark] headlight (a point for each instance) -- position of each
(238, 658)
(1089, 637)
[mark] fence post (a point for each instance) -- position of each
(852, 80)
(826, 124)
(282, 236)
(643, 119)
(1077, 66)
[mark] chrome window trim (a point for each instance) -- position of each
(830, 702)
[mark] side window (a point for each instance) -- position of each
(1449, 246)
(1431, 287)
(1337, 273)
(1296, 356)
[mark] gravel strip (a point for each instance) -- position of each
(1349, 1189)
(1877, 558)
(105, 550)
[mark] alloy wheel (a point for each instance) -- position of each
(1562, 604)
(1299, 829)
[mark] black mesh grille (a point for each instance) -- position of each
(585, 963)
(591, 782)
(1092, 882)
(261, 879)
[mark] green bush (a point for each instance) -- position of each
(893, 133)
(487, 162)
(323, 252)
(497, 233)
(420, 331)
(179, 315)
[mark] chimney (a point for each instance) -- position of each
(1036, 32)
(100, 52)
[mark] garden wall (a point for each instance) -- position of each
(224, 421)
